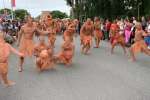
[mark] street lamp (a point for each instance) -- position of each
(139, 10)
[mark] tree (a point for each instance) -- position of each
(6, 13)
(59, 14)
(109, 8)
(5, 10)
(20, 13)
(146, 4)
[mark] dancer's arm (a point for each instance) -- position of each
(19, 36)
(15, 51)
(144, 33)
(73, 49)
(41, 32)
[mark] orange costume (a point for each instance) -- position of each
(3, 59)
(87, 40)
(26, 45)
(3, 67)
(52, 37)
(51, 26)
(81, 35)
(97, 32)
(139, 46)
(69, 32)
(86, 34)
(43, 57)
(26, 35)
(115, 36)
(67, 53)
(5, 50)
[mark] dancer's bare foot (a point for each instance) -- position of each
(0, 82)
(82, 51)
(68, 64)
(20, 69)
(96, 47)
(39, 69)
(10, 83)
(132, 60)
(87, 53)
(112, 52)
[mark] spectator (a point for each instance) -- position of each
(144, 23)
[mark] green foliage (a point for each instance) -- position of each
(109, 8)
(2, 11)
(20, 13)
(59, 14)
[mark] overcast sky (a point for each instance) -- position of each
(36, 6)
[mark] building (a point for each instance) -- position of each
(44, 14)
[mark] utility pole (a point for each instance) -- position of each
(12, 14)
(13, 5)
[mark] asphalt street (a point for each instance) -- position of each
(98, 76)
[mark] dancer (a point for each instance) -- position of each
(5, 50)
(97, 31)
(86, 36)
(139, 45)
(25, 39)
(52, 35)
(67, 52)
(69, 32)
(44, 56)
(116, 38)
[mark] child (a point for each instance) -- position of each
(5, 50)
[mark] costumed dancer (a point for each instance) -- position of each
(44, 56)
(25, 39)
(86, 36)
(69, 32)
(67, 52)
(139, 43)
(5, 51)
(52, 35)
(97, 31)
(116, 38)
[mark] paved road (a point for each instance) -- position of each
(99, 76)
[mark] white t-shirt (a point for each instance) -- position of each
(1, 27)
(148, 28)
(134, 22)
